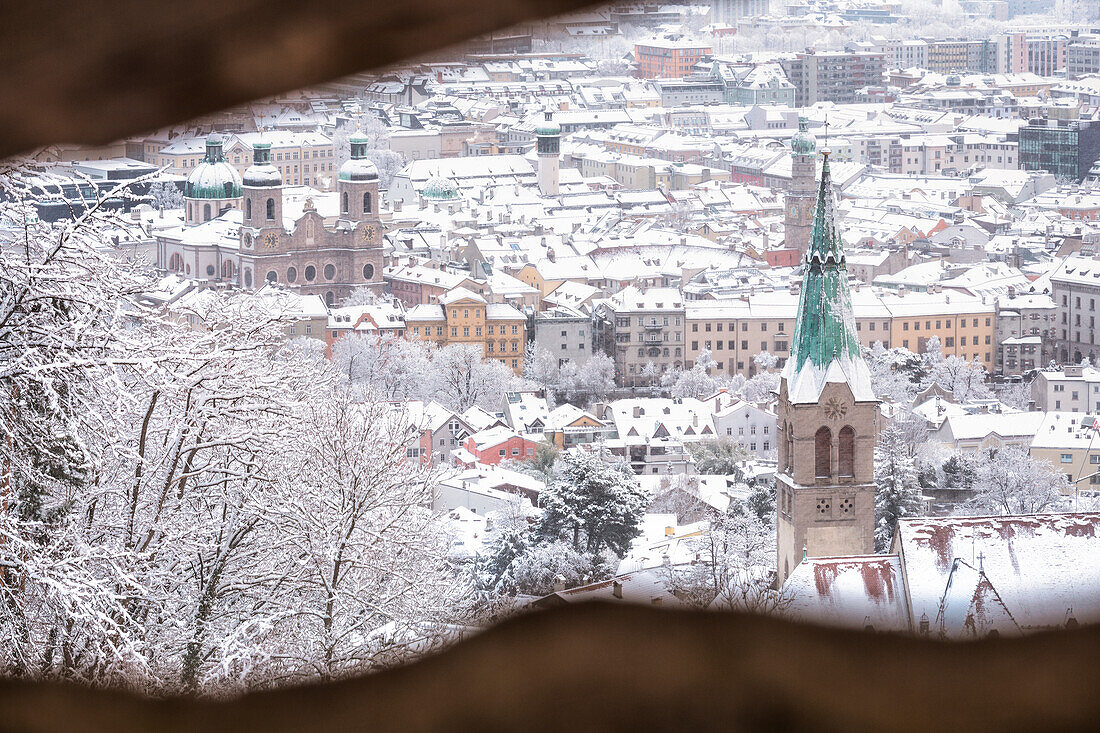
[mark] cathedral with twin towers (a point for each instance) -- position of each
(252, 230)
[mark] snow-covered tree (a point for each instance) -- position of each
(897, 492)
(1010, 481)
(463, 379)
(966, 380)
(1016, 394)
(366, 560)
(166, 195)
(363, 295)
(892, 372)
(761, 387)
(541, 566)
(695, 382)
(595, 379)
(391, 368)
(593, 503)
(734, 564)
(650, 374)
(765, 361)
(540, 366)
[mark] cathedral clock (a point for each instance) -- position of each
(368, 233)
(793, 211)
(247, 240)
(271, 241)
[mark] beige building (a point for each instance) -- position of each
(736, 330)
(302, 158)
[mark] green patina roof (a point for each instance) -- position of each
(803, 143)
(825, 328)
(214, 177)
(547, 126)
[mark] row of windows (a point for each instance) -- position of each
(779, 345)
(311, 273)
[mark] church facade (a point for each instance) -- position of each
(827, 417)
(236, 230)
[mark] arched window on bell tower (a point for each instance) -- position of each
(823, 448)
(344, 208)
(271, 209)
(248, 209)
(790, 448)
(366, 202)
(846, 454)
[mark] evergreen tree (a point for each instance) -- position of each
(959, 472)
(898, 494)
(592, 504)
(493, 568)
(761, 502)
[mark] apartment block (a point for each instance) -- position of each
(641, 328)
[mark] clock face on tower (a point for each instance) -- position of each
(835, 408)
(271, 241)
(368, 233)
(793, 211)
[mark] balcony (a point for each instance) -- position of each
(652, 338)
(653, 326)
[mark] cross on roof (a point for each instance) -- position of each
(826, 131)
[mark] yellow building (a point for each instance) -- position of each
(736, 330)
(463, 316)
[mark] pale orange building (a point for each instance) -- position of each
(463, 316)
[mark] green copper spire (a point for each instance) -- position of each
(825, 328)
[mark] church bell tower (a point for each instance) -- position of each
(798, 216)
(827, 415)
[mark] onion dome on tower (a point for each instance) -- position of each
(261, 174)
(358, 168)
(803, 142)
(213, 186)
(263, 190)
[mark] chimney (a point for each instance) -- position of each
(637, 411)
(617, 590)
(559, 583)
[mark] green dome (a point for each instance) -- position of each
(548, 126)
(803, 143)
(213, 178)
(439, 188)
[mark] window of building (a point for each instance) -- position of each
(823, 446)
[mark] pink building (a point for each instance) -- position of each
(496, 444)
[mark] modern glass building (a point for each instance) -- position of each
(1066, 148)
